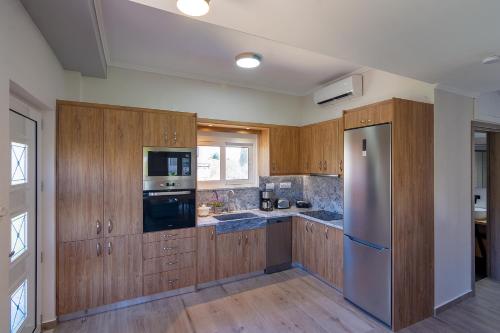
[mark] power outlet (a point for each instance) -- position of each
(286, 185)
(270, 186)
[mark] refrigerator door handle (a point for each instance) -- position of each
(367, 244)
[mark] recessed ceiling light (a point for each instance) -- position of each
(248, 60)
(491, 60)
(193, 7)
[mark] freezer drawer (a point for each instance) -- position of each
(367, 278)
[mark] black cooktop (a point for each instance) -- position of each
(324, 215)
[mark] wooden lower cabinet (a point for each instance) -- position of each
(319, 249)
(79, 275)
(170, 280)
(122, 268)
(241, 252)
(206, 255)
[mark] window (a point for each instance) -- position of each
(18, 236)
(227, 160)
(19, 163)
(18, 307)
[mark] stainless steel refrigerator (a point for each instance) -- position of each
(367, 220)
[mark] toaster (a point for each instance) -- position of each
(282, 203)
(303, 204)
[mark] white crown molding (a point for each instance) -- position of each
(457, 91)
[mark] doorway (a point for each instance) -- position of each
(480, 216)
(23, 224)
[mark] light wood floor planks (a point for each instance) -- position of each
(290, 301)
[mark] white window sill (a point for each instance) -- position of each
(225, 187)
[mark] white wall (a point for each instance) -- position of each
(487, 107)
(452, 190)
(28, 63)
(377, 86)
(209, 100)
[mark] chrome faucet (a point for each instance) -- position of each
(230, 201)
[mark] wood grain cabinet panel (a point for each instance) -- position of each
(79, 173)
(230, 260)
(255, 249)
(206, 252)
(122, 172)
(79, 275)
(284, 150)
(168, 247)
(122, 268)
(298, 240)
(169, 129)
(168, 235)
(334, 263)
(306, 147)
(374, 114)
(326, 148)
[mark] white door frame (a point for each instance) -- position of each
(19, 106)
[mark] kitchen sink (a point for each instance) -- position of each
(324, 215)
(235, 216)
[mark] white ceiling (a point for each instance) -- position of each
(142, 37)
(437, 41)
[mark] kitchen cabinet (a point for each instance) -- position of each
(284, 150)
(206, 271)
(334, 265)
(241, 252)
(122, 268)
(122, 172)
(79, 173)
(327, 151)
(378, 113)
(79, 275)
(169, 129)
(306, 147)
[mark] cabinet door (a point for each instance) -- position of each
(284, 150)
(122, 268)
(321, 255)
(79, 173)
(330, 137)
(335, 257)
(155, 129)
(298, 247)
(316, 157)
(79, 275)
(182, 131)
(309, 246)
(306, 147)
(255, 249)
(206, 254)
(229, 255)
(340, 147)
(122, 172)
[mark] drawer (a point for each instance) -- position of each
(168, 247)
(168, 263)
(171, 280)
(168, 234)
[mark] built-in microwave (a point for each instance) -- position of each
(169, 168)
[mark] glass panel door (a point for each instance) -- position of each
(23, 228)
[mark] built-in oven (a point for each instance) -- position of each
(168, 209)
(169, 168)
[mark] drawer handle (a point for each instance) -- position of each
(172, 263)
(212, 235)
(169, 235)
(363, 121)
(98, 227)
(169, 248)
(172, 281)
(326, 233)
(110, 248)
(110, 226)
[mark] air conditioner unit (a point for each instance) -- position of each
(351, 86)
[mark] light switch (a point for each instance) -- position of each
(270, 186)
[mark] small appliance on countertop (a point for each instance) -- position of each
(303, 204)
(282, 203)
(266, 203)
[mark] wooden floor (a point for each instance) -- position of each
(290, 301)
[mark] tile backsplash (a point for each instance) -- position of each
(323, 192)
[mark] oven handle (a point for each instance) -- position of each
(159, 194)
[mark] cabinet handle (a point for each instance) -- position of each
(325, 165)
(363, 121)
(326, 233)
(98, 227)
(110, 226)
(169, 248)
(165, 236)
(212, 235)
(99, 251)
(110, 248)
(320, 165)
(239, 240)
(369, 121)
(175, 136)
(172, 281)
(165, 136)
(341, 166)
(172, 263)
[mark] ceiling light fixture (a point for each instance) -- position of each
(491, 60)
(193, 7)
(248, 60)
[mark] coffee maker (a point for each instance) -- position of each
(266, 203)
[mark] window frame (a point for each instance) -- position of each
(230, 139)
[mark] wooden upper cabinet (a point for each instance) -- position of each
(122, 172)
(169, 129)
(79, 173)
(122, 268)
(306, 147)
(206, 254)
(79, 275)
(284, 150)
(326, 148)
(378, 113)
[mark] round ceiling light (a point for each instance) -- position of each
(193, 7)
(491, 60)
(248, 60)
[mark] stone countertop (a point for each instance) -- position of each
(262, 217)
